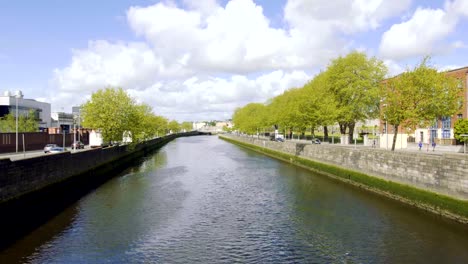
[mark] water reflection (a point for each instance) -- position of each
(202, 200)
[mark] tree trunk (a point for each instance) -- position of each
(343, 127)
(351, 131)
(395, 133)
(325, 133)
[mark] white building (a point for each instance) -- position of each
(62, 120)
(10, 101)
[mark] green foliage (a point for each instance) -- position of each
(187, 126)
(250, 118)
(26, 123)
(174, 126)
(354, 81)
(115, 113)
(416, 98)
(346, 92)
(461, 128)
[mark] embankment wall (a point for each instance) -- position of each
(444, 173)
(25, 176)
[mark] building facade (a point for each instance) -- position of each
(61, 122)
(442, 130)
(10, 101)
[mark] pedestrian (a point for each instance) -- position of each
(420, 145)
(373, 144)
(433, 145)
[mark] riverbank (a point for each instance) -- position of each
(40, 187)
(432, 183)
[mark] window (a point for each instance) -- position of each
(446, 122)
(460, 116)
(434, 134)
(446, 133)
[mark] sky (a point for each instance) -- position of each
(200, 60)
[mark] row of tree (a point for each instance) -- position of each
(115, 113)
(352, 89)
(26, 123)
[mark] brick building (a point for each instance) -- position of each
(441, 131)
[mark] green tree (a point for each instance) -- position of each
(28, 123)
(285, 111)
(161, 123)
(174, 126)
(250, 118)
(461, 128)
(418, 97)
(187, 126)
(354, 82)
(113, 112)
(317, 105)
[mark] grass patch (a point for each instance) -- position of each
(430, 201)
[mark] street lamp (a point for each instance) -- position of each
(17, 95)
(386, 128)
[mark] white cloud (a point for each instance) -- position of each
(424, 33)
(344, 15)
(208, 98)
(193, 62)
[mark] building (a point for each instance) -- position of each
(61, 122)
(10, 101)
(441, 131)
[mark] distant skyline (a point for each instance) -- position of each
(199, 60)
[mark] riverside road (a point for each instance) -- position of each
(204, 200)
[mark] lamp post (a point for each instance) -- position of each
(386, 132)
(464, 143)
(16, 96)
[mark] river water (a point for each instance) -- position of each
(203, 200)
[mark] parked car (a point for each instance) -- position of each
(48, 147)
(277, 137)
(77, 145)
(316, 141)
(57, 150)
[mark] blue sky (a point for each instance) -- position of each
(194, 60)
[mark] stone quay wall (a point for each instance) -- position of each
(443, 173)
(26, 176)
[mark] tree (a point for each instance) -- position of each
(416, 98)
(187, 126)
(461, 128)
(285, 110)
(318, 107)
(354, 82)
(174, 126)
(250, 118)
(113, 112)
(26, 123)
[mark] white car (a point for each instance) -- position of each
(48, 147)
(56, 150)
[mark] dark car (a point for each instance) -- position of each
(48, 147)
(316, 141)
(77, 145)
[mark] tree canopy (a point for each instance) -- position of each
(461, 128)
(417, 97)
(26, 123)
(115, 113)
(354, 82)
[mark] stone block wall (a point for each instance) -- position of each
(28, 175)
(440, 173)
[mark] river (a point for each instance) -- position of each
(203, 200)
